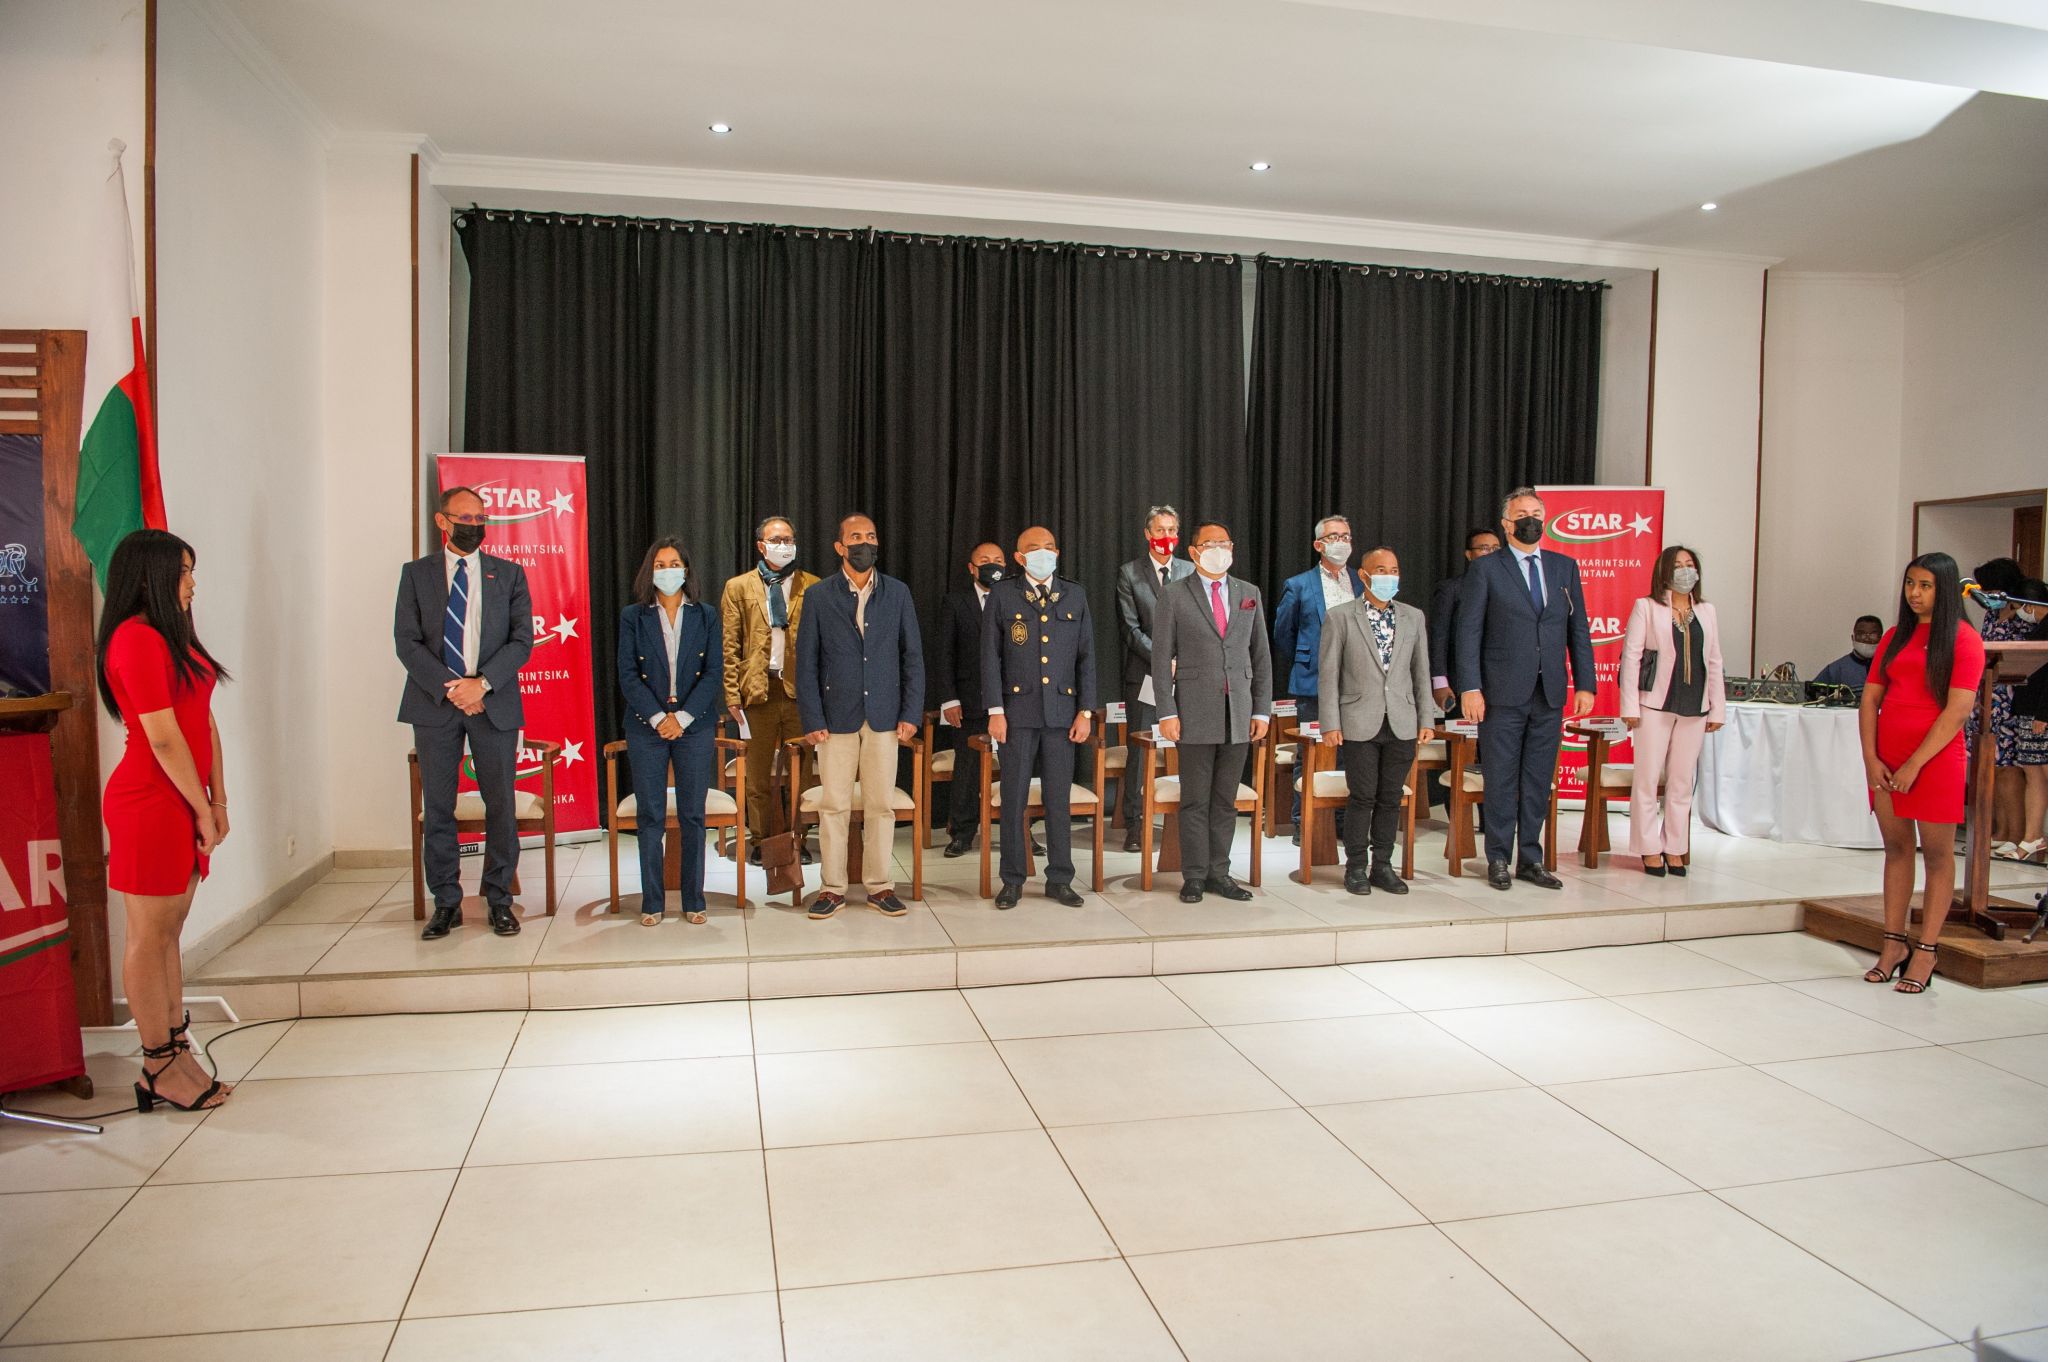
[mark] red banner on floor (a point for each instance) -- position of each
(1615, 533)
(39, 1040)
(537, 520)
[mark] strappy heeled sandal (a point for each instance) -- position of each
(146, 1098)
(1878, 974)
(1907, 983)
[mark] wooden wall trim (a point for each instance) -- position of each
(1650, 402)
(415, 227)
(149, 205)
(1756, 521)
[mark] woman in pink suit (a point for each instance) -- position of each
(1672, 711)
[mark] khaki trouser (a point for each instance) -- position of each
(870, 758)
(771, 723)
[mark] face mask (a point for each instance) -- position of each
(1215, 562)
(1685, 579)
(1165, 545)
(2030, 616)
(780, 556)
(668, 581)
(861, 557)
(1040, 563)
(1863, 650)
(1385, 585)
(1529, 529)
(1336, 552)
(466, 539)
(988, 574)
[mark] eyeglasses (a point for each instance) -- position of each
(1336, 539)
(466, 519)
(783, 539)
(1213, 544)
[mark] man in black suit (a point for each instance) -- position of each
(1138, 583)
(1038, 687)
(956, 671)
(1521, 624)
(464, 628)
(1443, 618)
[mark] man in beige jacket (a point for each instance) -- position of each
(761, 610)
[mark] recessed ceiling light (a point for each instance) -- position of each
(1262, 165)
(1708, 207)
(721, 128)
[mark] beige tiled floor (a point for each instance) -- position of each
(1703, 1150)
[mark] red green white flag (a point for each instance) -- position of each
(119, 490)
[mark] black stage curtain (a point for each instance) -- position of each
(956, 389)
(1410, 401)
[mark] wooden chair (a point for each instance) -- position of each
(1283, 758)
(725, 811)
(1116, 758)
(1324, 789)
(1467, 790)
(1430, 757)
(1162, 795)
(939, 765)
(532, 813)
(1084, 802)
(1606, 782)
(910, 807)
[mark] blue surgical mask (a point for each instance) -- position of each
(1385, 585)
(1041, 563)
(668, 581)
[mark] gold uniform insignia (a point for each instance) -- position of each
(1019, 635)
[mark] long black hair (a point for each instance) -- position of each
(1948, 617)
(643, 580)
(143, 580)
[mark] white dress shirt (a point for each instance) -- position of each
(473, 626)
(672, 638)
(778, 639)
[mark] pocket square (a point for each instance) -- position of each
(1246, 604)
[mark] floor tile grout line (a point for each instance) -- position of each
(204, 1333)
(767, 1183)
(72, 1261)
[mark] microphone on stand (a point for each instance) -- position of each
(1990, 600)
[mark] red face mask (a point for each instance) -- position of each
(1164, 547)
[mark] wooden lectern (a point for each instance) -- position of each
(2005, 664)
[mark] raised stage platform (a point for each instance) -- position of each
(350, 944)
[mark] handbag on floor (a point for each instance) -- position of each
(781, 861)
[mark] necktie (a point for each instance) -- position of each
(1535, 583)
(456, 620)
(1216, 605)
(1164, 569)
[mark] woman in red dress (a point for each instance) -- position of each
(166, 805)
(1921, 687)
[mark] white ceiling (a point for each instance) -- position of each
(1606, 120)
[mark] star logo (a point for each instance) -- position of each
(565, 629)
(572, 752)
(561, 503)
(1639, 524)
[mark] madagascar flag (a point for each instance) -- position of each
(118, 488)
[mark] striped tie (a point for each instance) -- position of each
(456, 620)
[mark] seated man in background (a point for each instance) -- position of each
(1853, 667)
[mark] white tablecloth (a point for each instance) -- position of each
(1788, 773)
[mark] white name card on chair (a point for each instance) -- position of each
(1159, 741)
(1114, 712)
(1312, 731)
(1283, 709)
(1463, 727)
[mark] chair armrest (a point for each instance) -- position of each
(551, 752)
(980, 742)
(1142, 738)
(613, 748)
(915, 746)
(737, 746)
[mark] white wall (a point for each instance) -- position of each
(238, 376)
(1834, 356)
(1976, 389)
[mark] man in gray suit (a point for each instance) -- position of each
(1138, 584)
(463, 629)
(1212, 674)
(1375, 678)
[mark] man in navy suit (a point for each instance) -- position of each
(859, 696)
(1305, 601)
(1521, 623)
(464, 628)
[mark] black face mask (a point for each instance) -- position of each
(988, 574)
(1529, 529)
(861, 557)
(466, 539)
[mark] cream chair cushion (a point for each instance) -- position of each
(1436, 749)
(942, 762)
(1333, 785)
(1166, 790)
(1617, 777)
(899, 801)
(469, 806)
(1116, 758)
(1284, 755)
(716, 802)
(1082, 797)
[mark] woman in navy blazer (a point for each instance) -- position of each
(672, 674)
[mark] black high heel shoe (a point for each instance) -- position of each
(1878, 974)
(1658, 870)
(146, 1098)
(1907, 983)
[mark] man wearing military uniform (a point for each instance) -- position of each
(1038, 684)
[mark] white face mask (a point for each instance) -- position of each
(780, 556)
(1863, 650)
(2030, 616)
(1685, 579)
(1215, 562)
(1336, 552)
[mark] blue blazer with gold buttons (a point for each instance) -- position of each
(643, 665)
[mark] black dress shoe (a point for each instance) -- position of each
(1384, 876)
(1063, 894)
(1131, 842)
(1037, 847)
(504, 921)
(1227, 888)
(1498, 875)
(1534, 873)
(754, 854)
(1191, 892)
(1357, 879)
(1007, 896)
(439, 925)
(960, 846)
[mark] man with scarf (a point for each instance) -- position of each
(761, 610)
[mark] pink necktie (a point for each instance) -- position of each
(1216, 604)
